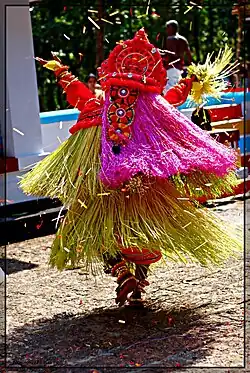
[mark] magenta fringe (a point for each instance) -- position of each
(164, 143)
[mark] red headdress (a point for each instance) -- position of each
(134, 63)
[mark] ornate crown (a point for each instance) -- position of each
(135, 63)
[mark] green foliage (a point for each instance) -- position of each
(206, 29)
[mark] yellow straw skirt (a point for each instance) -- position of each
(158, 217)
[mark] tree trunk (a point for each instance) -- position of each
(211, 28)
(100, 36)
(196, 28)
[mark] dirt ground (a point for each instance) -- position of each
(193, 316)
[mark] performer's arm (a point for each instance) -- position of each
(178, 94)
(77, 93)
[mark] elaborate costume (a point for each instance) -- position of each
(131, 170)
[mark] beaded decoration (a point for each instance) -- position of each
(120, 115)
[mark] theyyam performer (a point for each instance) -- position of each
(132, 168)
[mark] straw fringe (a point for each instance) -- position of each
(199, 184)
(155, 220)
(69, 171)
(158, 219)
(211, 75)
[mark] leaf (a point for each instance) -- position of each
(52, 65)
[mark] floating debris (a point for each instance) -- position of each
(147, 9)
(185, 226)
(172, 63)
(194, 4)
(18, 131)
(30, 165)
(82, 204)
(88, 171)
(188, 10)
(94, 23)
(204, 243)
(165, 51)
(114, 13)
(105, 20)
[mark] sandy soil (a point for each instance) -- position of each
(193, 316)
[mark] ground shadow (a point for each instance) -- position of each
(11, 266)
(154, 337)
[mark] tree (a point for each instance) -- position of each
(58, 27)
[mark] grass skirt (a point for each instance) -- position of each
(69, 171)
(159, 219)
(154, 217)
(198, 184)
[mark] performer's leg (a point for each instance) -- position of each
(142, 258)
(141, 275)
(126, 281)
(110, 262)
(141, 271)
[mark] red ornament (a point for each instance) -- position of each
(120, 114)
(134, 63)
(90, 116)
(143, 257)
(38, 226)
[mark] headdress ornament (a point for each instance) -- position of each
(135, 63)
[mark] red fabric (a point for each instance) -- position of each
(225, 113)
(245, 161)
(178, 94)
(231, 90)
(90, 116)
(79, 96)
(9, 164)
(230, 135)
(149, 86)
(142, 257)
(77, 93)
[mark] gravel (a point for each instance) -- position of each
(193, 316)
